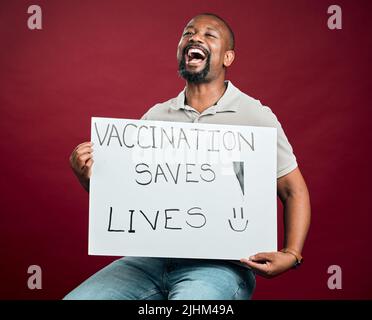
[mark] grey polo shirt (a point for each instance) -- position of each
(233, 108)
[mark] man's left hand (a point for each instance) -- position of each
(270, 264)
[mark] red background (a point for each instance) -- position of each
(117, 59)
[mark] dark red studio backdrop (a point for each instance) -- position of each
(117, 59)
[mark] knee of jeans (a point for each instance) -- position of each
(74, 296)
(78, 294)
(246, 287)
(81, 294)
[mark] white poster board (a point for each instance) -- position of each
(187, 190)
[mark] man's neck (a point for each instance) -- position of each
(201, 96)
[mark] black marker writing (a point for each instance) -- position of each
(109, 226)
(155, 136)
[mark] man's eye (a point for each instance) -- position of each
(210, 35)
(187, 33)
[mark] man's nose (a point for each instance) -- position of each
(195, 38)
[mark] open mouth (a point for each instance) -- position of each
(195, 56)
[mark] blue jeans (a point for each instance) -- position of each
(137, 278)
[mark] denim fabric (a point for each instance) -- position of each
(138, 278)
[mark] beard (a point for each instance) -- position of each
(193, 77)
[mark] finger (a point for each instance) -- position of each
(81, 160)
(86, 143)
(260, 267)
(87, 169)
(85, 150)
(82, 144)
(89, 163)
(262, 256)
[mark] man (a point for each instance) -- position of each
(205, 51)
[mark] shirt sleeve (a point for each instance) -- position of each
(286, 160)
(149, 114)
(144, 117)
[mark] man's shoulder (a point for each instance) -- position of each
(248, 100)
(251, 104)
(160, 109)
(245, 100)
(253, 111)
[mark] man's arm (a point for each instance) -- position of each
(294, 195)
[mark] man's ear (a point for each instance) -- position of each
(228, 58)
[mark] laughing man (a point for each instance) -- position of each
(205, 51)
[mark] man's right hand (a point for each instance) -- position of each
(81, 161)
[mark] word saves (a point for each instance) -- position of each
(188, 172)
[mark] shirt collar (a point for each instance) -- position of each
(228, 102)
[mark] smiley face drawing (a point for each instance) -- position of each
(238, 167)
(242, 219)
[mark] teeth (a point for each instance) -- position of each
(195, 50)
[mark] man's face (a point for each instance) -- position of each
(201, 50)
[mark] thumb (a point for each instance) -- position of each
(261, 257)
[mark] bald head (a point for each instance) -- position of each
(230, 33)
